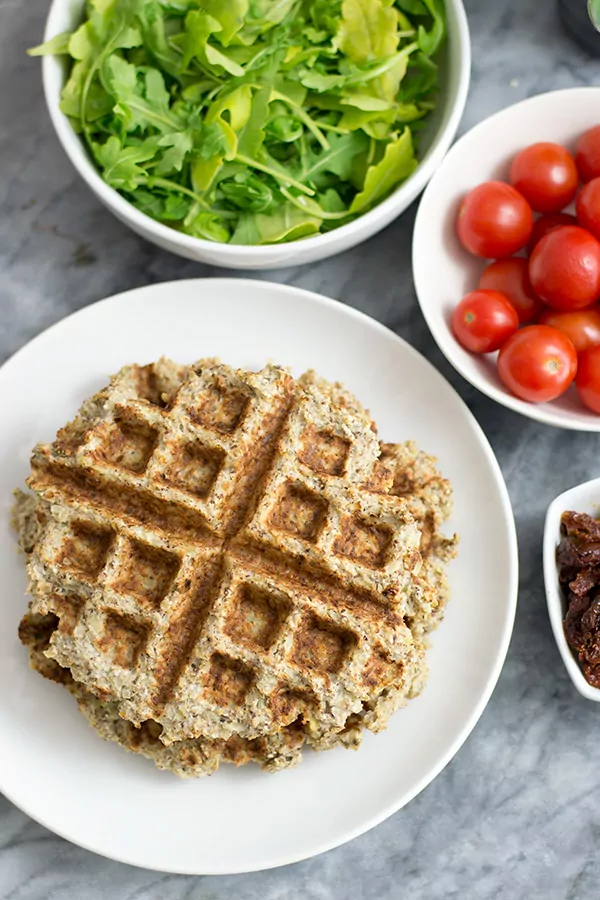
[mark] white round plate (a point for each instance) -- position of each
(444, 272)
(53, 765)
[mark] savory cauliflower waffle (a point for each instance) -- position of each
(227, 564)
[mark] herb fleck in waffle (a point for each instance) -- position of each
(222, 556)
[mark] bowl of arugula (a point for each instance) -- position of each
(256, 133)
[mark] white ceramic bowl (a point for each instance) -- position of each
(455, 64)
(583, 498)
(444, 272)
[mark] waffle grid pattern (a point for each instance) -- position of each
(255, 579)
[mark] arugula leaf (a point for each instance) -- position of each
(108, 29)
(339, 159)
(253, 135)
(354, 118)
(229, 14)
(252, 121)
(366, 102)
(217, 142)
(368, 30)
(120, 164)
(208, 226)
(238, 103)
(198, 28)
(217, 139)
(331, 201)
(142, 101)
(215, 58)
(285, 129)
(166, 208)
(247, 191)
(294, 91)
(204, 172)
(412, 7)
(285, 223)
(421, 78)
(262, 15)
(152, 22)
(178, 144)
(98, 102)
(247, 231)
(211, 141)
(56, 46)
(429, 41)
(316, 81)
(156, 92)
(325, 15)
(397, 163)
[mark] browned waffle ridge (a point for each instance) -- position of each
(221, 554)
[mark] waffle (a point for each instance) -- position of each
(414, 476)
(222, 556)
(188, 759)
(200, 757)
(406, 470)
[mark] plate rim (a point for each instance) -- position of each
(396, 803)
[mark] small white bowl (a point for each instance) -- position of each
(584, 498)
(444, 272)
(455, 67)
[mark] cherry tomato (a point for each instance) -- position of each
(483, 320)
(564, 268)
(544, 224)
(581, 327)
(546, 175)
(588, 207)
(511, 278)
(538, 363)
(587, 154)
(588, 378)
(494, 220)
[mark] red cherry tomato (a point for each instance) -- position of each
(564, 268)
(588, 378)
(494, 220)
(511, 278)
(546, 175)
(581, 327)
(544, 224)
(588, 207)
(483, 320)
(587, 154)
(537, 364)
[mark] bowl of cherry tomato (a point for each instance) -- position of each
(506, 257)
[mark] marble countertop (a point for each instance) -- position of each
(517, 812)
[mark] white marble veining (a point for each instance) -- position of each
(517, 813)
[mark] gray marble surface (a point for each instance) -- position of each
(517, 812)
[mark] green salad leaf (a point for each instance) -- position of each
(252, 121)
(56, 46)
(396, 164)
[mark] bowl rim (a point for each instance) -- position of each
(336, 240)
(569, 499)
(543, 412)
